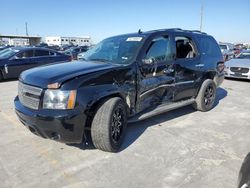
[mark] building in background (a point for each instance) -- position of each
(59, 40)
(20, 40)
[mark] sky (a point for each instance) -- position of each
(226, 20)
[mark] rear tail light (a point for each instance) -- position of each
(221, 66)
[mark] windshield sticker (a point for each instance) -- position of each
(134, 39)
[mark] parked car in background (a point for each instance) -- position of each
(45, 45)
(66, 47)
(227, 50)
(239, 67)
(124, 78)
(17, 59)
(54, 47)
(80, 56)
(74, 51)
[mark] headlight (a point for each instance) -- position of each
(57, 99)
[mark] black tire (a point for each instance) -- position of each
(244, 175)
(109, 125)
(206, 97)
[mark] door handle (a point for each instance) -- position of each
(199, 65)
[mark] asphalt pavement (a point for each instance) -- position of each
(181, 148)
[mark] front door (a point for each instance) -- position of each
(156, 75)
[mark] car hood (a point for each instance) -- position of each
(59, 73)
(238, 63)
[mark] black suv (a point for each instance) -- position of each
(123, 79)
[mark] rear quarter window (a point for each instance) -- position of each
(209, 47)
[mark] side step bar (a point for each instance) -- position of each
(160, 109)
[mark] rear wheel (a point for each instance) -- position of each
(206, 97)
(109, 125)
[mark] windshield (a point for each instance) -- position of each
(244, 55)
(6, 53)
(117, 50)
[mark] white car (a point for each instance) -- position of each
(81, 55)
(239, 67)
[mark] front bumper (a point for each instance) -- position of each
(230, 74)
(65, 126)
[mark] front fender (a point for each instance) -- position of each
(88, 97)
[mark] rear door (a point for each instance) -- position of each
(41, 57)
(188, 67)
(156, 72)
(19, 63)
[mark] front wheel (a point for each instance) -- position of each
(109, 125)
(206, 97)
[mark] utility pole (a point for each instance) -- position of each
(201, 21)
(26, 27)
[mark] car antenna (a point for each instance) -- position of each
(139, 31)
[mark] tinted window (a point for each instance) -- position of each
(209, 47)
(158, 49)
(244, 55)
(39, 53)
(25, 54)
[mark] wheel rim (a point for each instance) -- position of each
(209, 96)
(117, 125)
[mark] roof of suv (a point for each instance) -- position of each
(171, 30)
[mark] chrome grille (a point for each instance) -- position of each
(29, 96)
(239, 69)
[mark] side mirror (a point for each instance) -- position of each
(148, 61)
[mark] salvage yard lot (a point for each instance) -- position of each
(181, 148)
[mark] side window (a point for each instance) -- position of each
(184, 48)
(210, 47)
(159, 49)
(39, 53)
(25, 54)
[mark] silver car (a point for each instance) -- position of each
(239, 67)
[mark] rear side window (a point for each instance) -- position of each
(185, 48)
(25, 54)
(39, 53)
(209, 47)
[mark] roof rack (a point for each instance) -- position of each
(181, 30)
